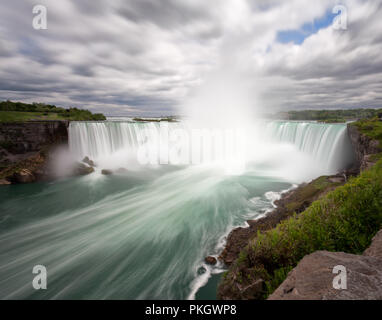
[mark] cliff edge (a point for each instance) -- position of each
(25, 149)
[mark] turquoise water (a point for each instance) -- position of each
(135, 236)
(144, 234)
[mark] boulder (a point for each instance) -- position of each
(210, 260)
(106, 172)
(312, 279)
(121, 170)
(88, 161)
(81, 169)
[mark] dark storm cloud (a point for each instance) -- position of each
(165, 13)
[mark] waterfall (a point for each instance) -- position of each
(327, 145)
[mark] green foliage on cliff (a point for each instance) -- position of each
(18, 111)
(330, 116)
(371, 128)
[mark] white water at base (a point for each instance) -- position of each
(296, 151)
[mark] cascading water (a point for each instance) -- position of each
(144, 234)
(114, 143)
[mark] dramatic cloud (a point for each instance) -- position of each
(146, 56)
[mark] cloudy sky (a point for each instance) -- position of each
(146, 57)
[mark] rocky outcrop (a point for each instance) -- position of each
(81, 169)
(312, 279)
(210, 260)
(364, 147)
(25, 149)
(106, 172)
(88, 161)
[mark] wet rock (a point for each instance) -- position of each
(81, 169)
(210, 260)
(106, 172)
(88, 161)
(121, 170)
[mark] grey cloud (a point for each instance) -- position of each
(144, 56)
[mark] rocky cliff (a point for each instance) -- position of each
(364, 147)
(25, 149)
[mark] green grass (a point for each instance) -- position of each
(370, 127)
(13, 116)
(344, 219)
(17, 116)
(17, 111)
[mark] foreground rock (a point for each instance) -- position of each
(312, 279)
(106, 172)
(375, 249)
(294, 201)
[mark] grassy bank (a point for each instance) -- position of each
(345, 220)
(18, 111)
(329, 116)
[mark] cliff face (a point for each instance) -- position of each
(364, 147)
(25, 148)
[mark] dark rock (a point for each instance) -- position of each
(23, 176)
(81, 169)
(4, 182)
(312, 279)
(106, 172)
(210, 260)
(88, 161)
(28, 145)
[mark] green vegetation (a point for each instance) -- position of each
(168, 119)
(18, 111)
(370, 127)
(330, 116)
(345, 219)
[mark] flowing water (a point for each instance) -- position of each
(144, 233)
